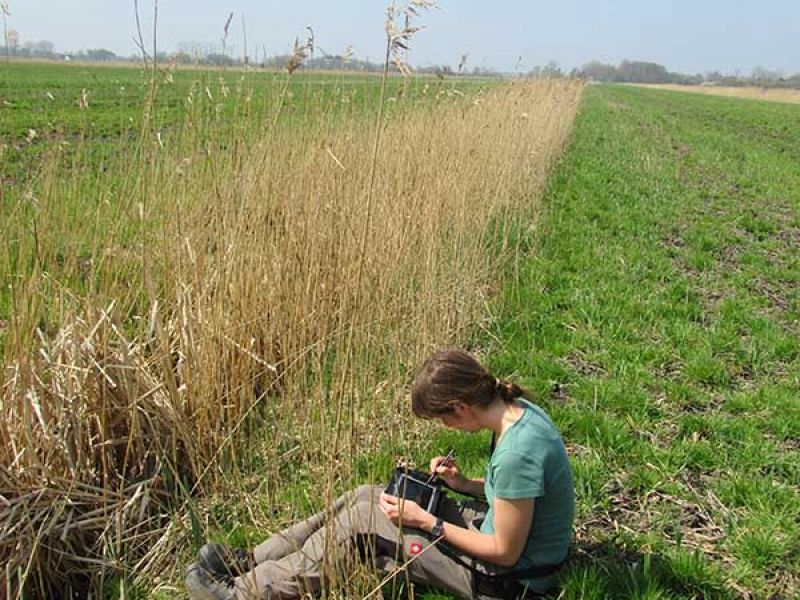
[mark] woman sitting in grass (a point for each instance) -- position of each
(510, 546)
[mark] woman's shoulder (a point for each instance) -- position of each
(536, 421)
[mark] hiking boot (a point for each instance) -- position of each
(202, 585)
(224, 562)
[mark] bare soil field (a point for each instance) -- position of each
(754, 93)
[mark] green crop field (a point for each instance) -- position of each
(46, 103)
(657, 318)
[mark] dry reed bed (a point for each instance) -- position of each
(203, 282)
(754, 93)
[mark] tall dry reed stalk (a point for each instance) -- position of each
(204, 291)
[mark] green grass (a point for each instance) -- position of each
(656, 319)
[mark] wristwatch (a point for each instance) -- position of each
(437, 530)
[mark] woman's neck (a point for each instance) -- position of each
(501, 415)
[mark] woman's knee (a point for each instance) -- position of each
(351, 496)
(363, 517)
(364, 492)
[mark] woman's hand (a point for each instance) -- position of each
(408, 512)
(448, 471)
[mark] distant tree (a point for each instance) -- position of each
(98, 54)
(219, 60)
(642, 72)
(181, 58)
(648, 72)
(682, 79)
(438, 70)
(196, 50)
(275, 62)
(327, 62)
(44, 48)
(764, 76)
(551, 69)
(598, 71)
(331, 62)
(485, 72)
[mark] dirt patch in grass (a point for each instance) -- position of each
(711, 299)
(678, 519)
(674, 241)
(785, 586)
(578, 451)
(584, 367)
(729, 257)
(683, 150)
(696, 406)
(791, 444)
(790, 237)
(744, 378)
(671, 370)
(778, 298)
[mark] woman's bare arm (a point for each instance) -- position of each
(512, 524)
(472, 487)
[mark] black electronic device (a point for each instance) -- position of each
(417, 486)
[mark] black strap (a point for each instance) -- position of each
(534, 572)
(493, 444)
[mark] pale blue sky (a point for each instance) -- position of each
(684, 35)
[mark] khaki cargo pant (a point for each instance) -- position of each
(294, 562)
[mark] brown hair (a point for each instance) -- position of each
(450, 375)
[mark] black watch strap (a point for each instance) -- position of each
(437, 530)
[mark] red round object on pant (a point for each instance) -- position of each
(415, 548)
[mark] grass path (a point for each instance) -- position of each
(657, 319)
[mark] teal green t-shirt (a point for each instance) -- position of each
(530, 461)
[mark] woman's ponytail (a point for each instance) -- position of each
(508, 391)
